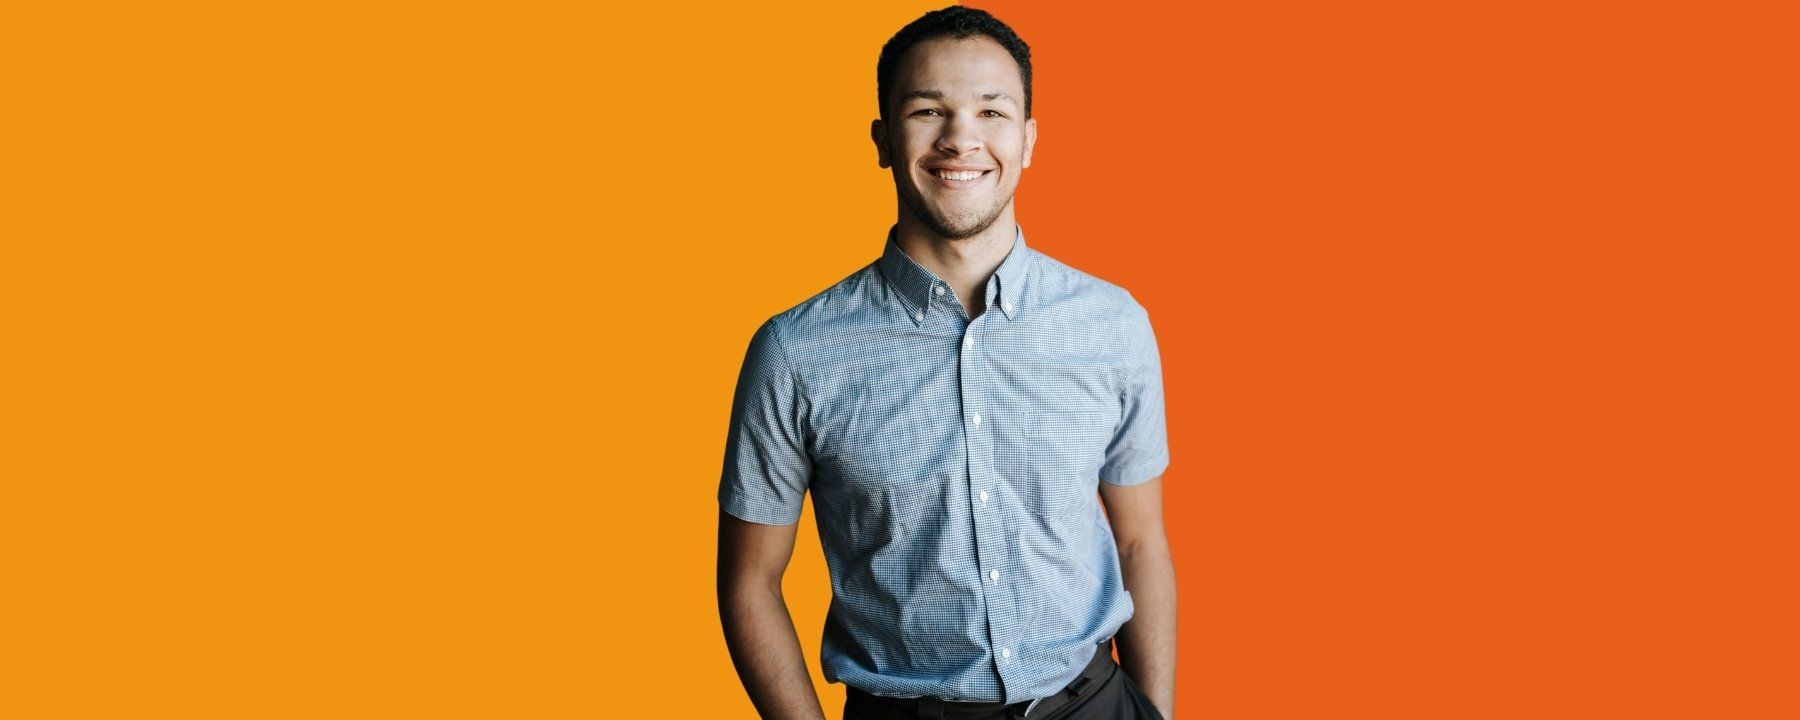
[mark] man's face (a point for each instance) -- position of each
(957, 108)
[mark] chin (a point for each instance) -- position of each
(961, 230)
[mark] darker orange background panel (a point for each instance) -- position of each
(1476, 322)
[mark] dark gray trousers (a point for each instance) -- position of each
(1102, 692)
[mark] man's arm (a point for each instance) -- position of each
(1147, 641)
(758, 629)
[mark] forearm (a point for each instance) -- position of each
(760, 635)
(1147, 641)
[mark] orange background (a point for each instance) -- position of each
(375, 361)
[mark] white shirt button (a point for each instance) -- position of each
(939, 289)
(1006, 652)
(994, 575)
(984, 497)
(919, 316)
(968, 343)
(1009, 307)
(977, 418)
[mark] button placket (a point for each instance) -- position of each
(990, 530)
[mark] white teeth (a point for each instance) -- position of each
(964, 175)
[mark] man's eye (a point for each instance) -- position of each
(990, 113)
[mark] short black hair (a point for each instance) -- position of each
(954, 21)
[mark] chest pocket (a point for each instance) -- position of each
(1066, 449)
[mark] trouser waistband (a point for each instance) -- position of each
(1092, 676)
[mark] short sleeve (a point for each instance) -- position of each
(767, 467)
(1140, 446)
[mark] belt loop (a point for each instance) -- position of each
(931, 708)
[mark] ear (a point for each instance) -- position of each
(1030, 138)
(878, 133)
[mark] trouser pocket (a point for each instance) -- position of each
(1145, 707)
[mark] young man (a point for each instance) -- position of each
(953, 407)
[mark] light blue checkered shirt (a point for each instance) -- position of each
(954, 466)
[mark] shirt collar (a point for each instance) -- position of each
(913, 284)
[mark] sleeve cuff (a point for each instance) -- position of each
(1139, 473)
(736, 507)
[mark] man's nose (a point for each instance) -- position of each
(959, 136)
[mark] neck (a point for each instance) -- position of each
(965, 263)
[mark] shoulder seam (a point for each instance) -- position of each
(793, 371)
(1135, 309)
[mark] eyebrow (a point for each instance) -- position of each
(939, 95)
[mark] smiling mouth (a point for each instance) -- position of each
(959, 178)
